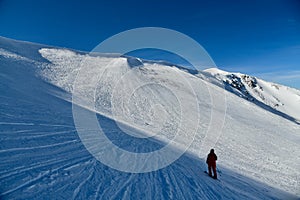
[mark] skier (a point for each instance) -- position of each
(211, 162)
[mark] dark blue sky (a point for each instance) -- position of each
(258, 37)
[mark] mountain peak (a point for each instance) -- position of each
(276, 98)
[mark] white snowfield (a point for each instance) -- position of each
(42, 156)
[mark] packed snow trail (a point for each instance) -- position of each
(67, 171)
(43, 157)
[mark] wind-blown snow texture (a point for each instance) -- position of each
(42, 156)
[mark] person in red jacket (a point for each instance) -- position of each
(211, 162)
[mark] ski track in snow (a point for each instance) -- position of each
(37, 147)
(42, 156)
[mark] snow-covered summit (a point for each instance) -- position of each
(271, 96)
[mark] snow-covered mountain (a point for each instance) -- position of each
(256, 137)
(271, 96)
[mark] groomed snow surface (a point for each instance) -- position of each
(42, 156)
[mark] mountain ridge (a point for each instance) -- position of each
(43, 155)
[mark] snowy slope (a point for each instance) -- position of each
(269, 95)
(43, 156)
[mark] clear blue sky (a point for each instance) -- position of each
(258, 37)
